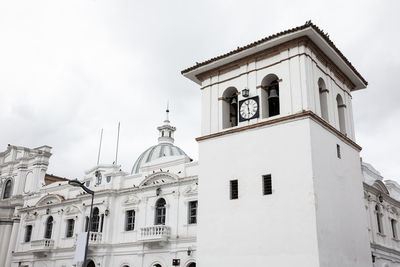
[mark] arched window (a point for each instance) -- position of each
(230, 108)
(95, 220)
(90, 264)
(49, 228)
(192, 264)
(379, 219)
(270, 97)
(341, 114)
(157, 265)
(160, 212)
(7, 189)
(323, 99)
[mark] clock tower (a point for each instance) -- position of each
(280, 179)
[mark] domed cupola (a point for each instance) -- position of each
(166, 130)
(164, 149)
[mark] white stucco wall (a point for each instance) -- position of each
(277, 229)
(341, 223)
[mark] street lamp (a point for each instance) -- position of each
(87, 190)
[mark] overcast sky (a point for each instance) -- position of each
(70, 68)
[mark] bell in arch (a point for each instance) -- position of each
(273, 93)
(233, 101)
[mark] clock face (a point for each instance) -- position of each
(249, 108)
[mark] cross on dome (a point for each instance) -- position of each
(166, 130)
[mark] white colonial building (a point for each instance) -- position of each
(280, 178)
(382, 203)
(144, 218)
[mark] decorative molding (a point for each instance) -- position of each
(386, 249)
(158, 178)
(30, 216)
(131, 200)
(300, 115)
(72, 210)
(301, 41)
(85, 198)
(191, 190)
(50, 199)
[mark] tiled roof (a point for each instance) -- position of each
(274, 36)
(50, 178)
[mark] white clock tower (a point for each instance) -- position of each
(280, 179)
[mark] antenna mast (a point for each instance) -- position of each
(101, 139)
(116, 152)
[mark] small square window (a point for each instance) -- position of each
(338, 151)
(267, 184)
(234, 189)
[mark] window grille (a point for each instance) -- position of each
(193, 212)
(160, 212)
(95, 220)
(70, 228)
(130, 220)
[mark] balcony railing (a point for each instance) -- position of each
(154, 233)
(42, 244)
(95, 238)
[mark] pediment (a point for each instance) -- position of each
(159, 178)
(30, 216)
(71, 210)
(131, 200)
(50, 199)
(191, 190)
(381, 186)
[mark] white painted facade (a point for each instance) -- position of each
(320, 211)
(382, 202)
(22, 172)
(314, 163)
(171, 176)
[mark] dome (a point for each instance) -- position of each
(165, 147)
(155, 152)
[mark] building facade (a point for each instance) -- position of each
(284, 104)
(382, 203)
(279, 179)
(144, 218)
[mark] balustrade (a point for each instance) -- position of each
(154, 233)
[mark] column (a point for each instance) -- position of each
(4, 245)
(13, 240)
